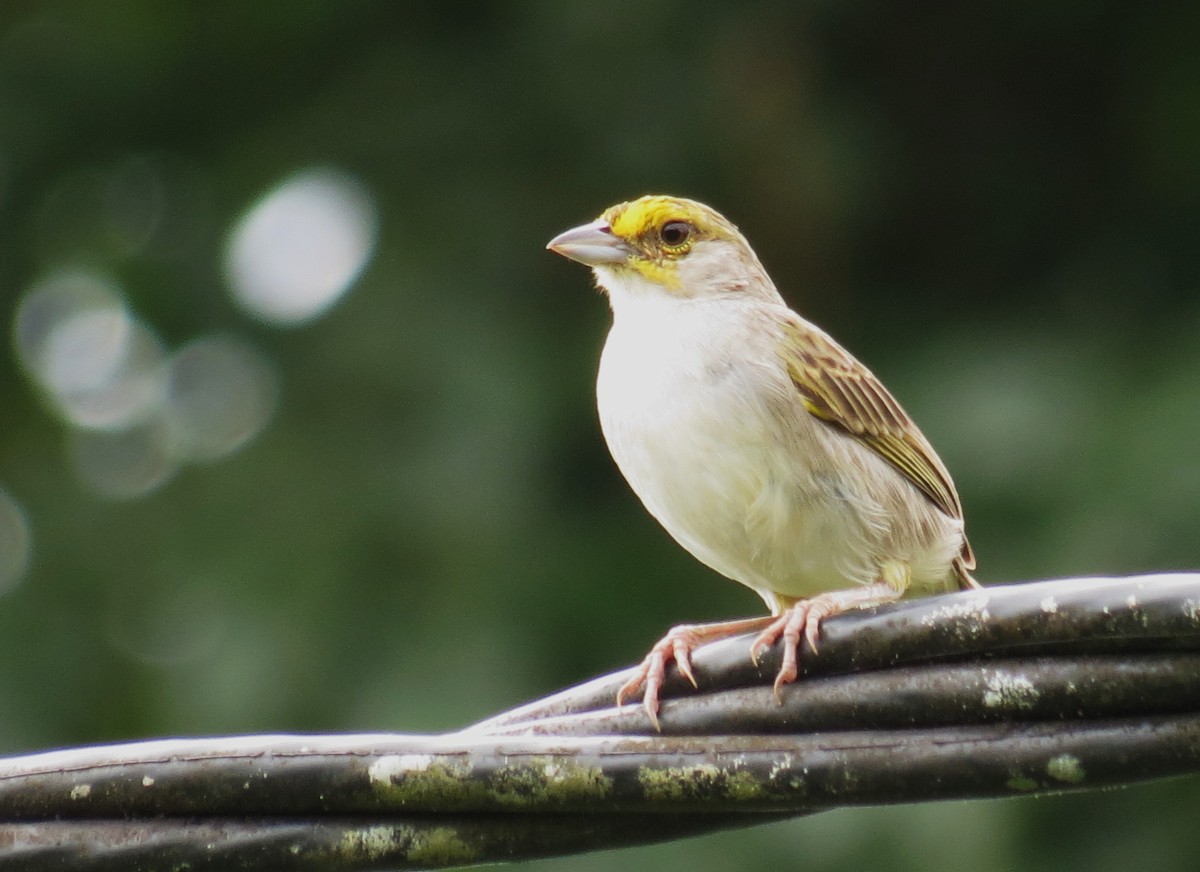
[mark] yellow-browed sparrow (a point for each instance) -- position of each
(760, 444)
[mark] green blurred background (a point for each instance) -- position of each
(383, 502)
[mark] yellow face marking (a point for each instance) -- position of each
(633, 220)
(662, 273)
(641, 224)
(642, 217)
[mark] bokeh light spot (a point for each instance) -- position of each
(54, 300)
(123, 465)
(300, 248)
(220, 393)
(16, 543)
(84, 351)
(98, 365)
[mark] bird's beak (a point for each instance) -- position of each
(591, 244)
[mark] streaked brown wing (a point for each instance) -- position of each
(840, 390)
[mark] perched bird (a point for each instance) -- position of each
(760, 444)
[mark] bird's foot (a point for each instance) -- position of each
(801, 616)
(677, 645)
(805, 616)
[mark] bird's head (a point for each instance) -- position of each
(659, 245)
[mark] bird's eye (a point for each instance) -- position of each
(675, 233)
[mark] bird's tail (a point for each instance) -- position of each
(963, 564)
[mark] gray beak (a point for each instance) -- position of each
(591, 244)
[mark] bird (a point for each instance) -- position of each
(761, 445)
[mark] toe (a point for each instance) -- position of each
(812, 631)
(632, 686)
(681, 652)
(786, 676)
(650, 699)
(767, 638)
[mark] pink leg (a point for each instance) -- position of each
(678, 645)
(806, 615)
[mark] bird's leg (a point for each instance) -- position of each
(678, 645)
(806, 615)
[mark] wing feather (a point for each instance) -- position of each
(842, 392)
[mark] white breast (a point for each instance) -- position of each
(690, 407)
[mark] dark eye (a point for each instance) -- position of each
(675, 233)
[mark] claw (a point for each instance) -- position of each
(787, 626)
(645, 675)
(812, 624)
(650, 675)
(804, 617)
(683, 661)
(677, 645)
(765, 640)
(640, 677)
(650, 699)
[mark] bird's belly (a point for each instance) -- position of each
(706, 458)
(758, 499)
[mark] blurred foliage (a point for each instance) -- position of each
(995, 205)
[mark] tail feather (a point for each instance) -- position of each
(963, 564)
